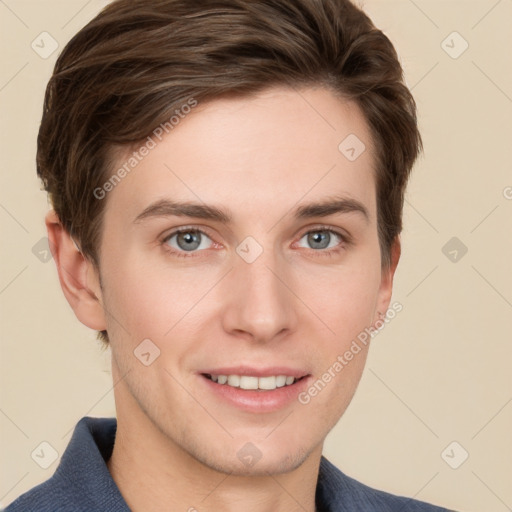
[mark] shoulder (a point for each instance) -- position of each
(50, 496)
(337, 491)
(81, 481)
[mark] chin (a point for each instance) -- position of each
(250, 461)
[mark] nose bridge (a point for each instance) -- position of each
(260, 303)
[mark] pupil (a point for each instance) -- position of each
(191, 240)
(319, 240)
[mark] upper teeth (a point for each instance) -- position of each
(249, 382)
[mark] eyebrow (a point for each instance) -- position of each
(167, 208)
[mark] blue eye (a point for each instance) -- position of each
(188, 240)
(323, 239)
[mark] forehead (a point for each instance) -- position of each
(260, 153)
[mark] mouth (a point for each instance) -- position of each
(255, 390)
(252, 382)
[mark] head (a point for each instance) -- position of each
(241, 112)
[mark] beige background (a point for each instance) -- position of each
(440, 372)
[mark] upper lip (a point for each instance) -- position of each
(256, 372)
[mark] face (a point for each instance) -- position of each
(216, 250)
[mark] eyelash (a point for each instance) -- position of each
(345, 241)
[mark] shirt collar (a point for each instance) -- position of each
(83, 467)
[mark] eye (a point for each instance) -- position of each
(192, 240)
(187, 240)
(323, 239)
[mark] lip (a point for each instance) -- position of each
(257, 372)
(256, 401)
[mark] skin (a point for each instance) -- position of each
(258, 158)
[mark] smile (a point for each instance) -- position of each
(249, 382)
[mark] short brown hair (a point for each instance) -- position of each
(137, 61)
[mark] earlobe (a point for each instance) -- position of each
(78, 277)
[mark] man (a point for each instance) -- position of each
(227, 181)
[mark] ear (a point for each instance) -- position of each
(386, 284)
(78, 278)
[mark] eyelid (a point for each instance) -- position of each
(343, 234)
(184, 254)
(185, 229)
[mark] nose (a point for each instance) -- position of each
(260, 304)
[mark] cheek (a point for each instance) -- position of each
(149, 300)
(153, 298)
(344, 298)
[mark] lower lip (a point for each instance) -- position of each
(258, 401)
